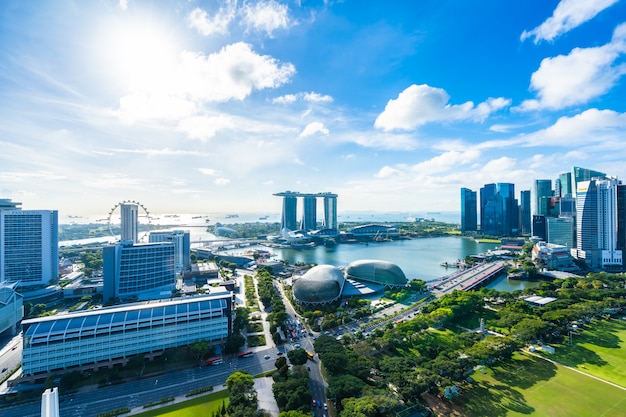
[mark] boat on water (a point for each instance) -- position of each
(264, 217)
(231, 216)
(174, 216)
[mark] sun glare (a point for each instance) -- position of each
(141, 55)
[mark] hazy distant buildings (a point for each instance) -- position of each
(469, 214)
(129, 220)
(308, 220)
(182, 246)
(29, 241)
(103, 338)
(138, 271)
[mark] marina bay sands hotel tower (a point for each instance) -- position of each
(309, 210)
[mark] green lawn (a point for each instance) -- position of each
(598, 349)
(202, 406)
(530, 386)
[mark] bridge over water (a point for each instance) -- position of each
(468, 278)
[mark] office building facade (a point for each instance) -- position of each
(138, 271)
(499, 210)
(597, 223)
(308, 221)
(330, 211)
(182, 246)
(525, 218)
(469, 211)
(29, 241)
(583, 174)
(101, 338)
(561, 231)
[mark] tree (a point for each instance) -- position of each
(242, 318)
(243, 396)
(233, 343)
(344, 386)
(294, 413)
(297, 356)
(136, 364)
(199, 349)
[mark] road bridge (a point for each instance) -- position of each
(467, 279)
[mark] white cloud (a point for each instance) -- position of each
(584, 74)
(313, 128)
(203, 127)
(146, 106)
(232, 73)
(266, 16)
(200, 20)
(421, 104)
(447, 161)
(222, 181)
(310, 97)
(568, 15)
(587, 128)
(209, 171)
(155, 152)
(387, 172)
(382, 141)
(123, 4)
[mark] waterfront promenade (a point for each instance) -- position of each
(467, 279)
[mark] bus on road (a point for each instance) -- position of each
(245, 354)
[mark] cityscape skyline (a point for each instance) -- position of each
(215, 106)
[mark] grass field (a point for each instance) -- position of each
(202, 406)
(532, 387)
(599, 349)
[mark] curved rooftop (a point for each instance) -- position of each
(321, 284)
(379, 272)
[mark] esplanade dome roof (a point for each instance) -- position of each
(379, 272)
(319, 285)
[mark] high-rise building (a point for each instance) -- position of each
(309, 212)
(290, 210)
(540, 194)
(564, 185)
(11, 308)
(539, 226)
(330, 211)
(138, 271)
(499, 210)
(583, 174)
(29, 246)
(182, 246)
(469, 211)
(597, 223)
(129, 219)
(568, 206)
(525, 219)
(621, 221)
(561, 231)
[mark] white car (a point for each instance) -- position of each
(266, 356)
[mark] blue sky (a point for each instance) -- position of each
(213, 106)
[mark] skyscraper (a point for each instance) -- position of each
(487, 193)
(309, 212)
(583, 174)
(29, 241)
(290, 210)
(564, 185)
(525, 219)
(499, 210)
(330, 210)
(540, 194)
(469, 212)
(597, 223)
(129, 218)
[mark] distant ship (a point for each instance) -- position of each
(172, 215)
(231, 216)
(264, 217)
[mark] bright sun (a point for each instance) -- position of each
(141, 55)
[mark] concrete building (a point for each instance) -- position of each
(50, 403)
(182, 246)
(540, 194)
(554, 256)
(129, 219)
(29, 241)
(309, 212)
(583, 174)
(138, 271)
(330, 211)
(104, 337)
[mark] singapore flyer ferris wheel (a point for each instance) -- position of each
(114, 219)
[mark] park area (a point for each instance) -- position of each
(530, 386)
(206, 405)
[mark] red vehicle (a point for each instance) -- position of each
(245, 354)
(214, 361)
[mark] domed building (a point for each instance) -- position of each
(320, 285)
(377, 272)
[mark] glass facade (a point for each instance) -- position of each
(109, 334)
(469, 210)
